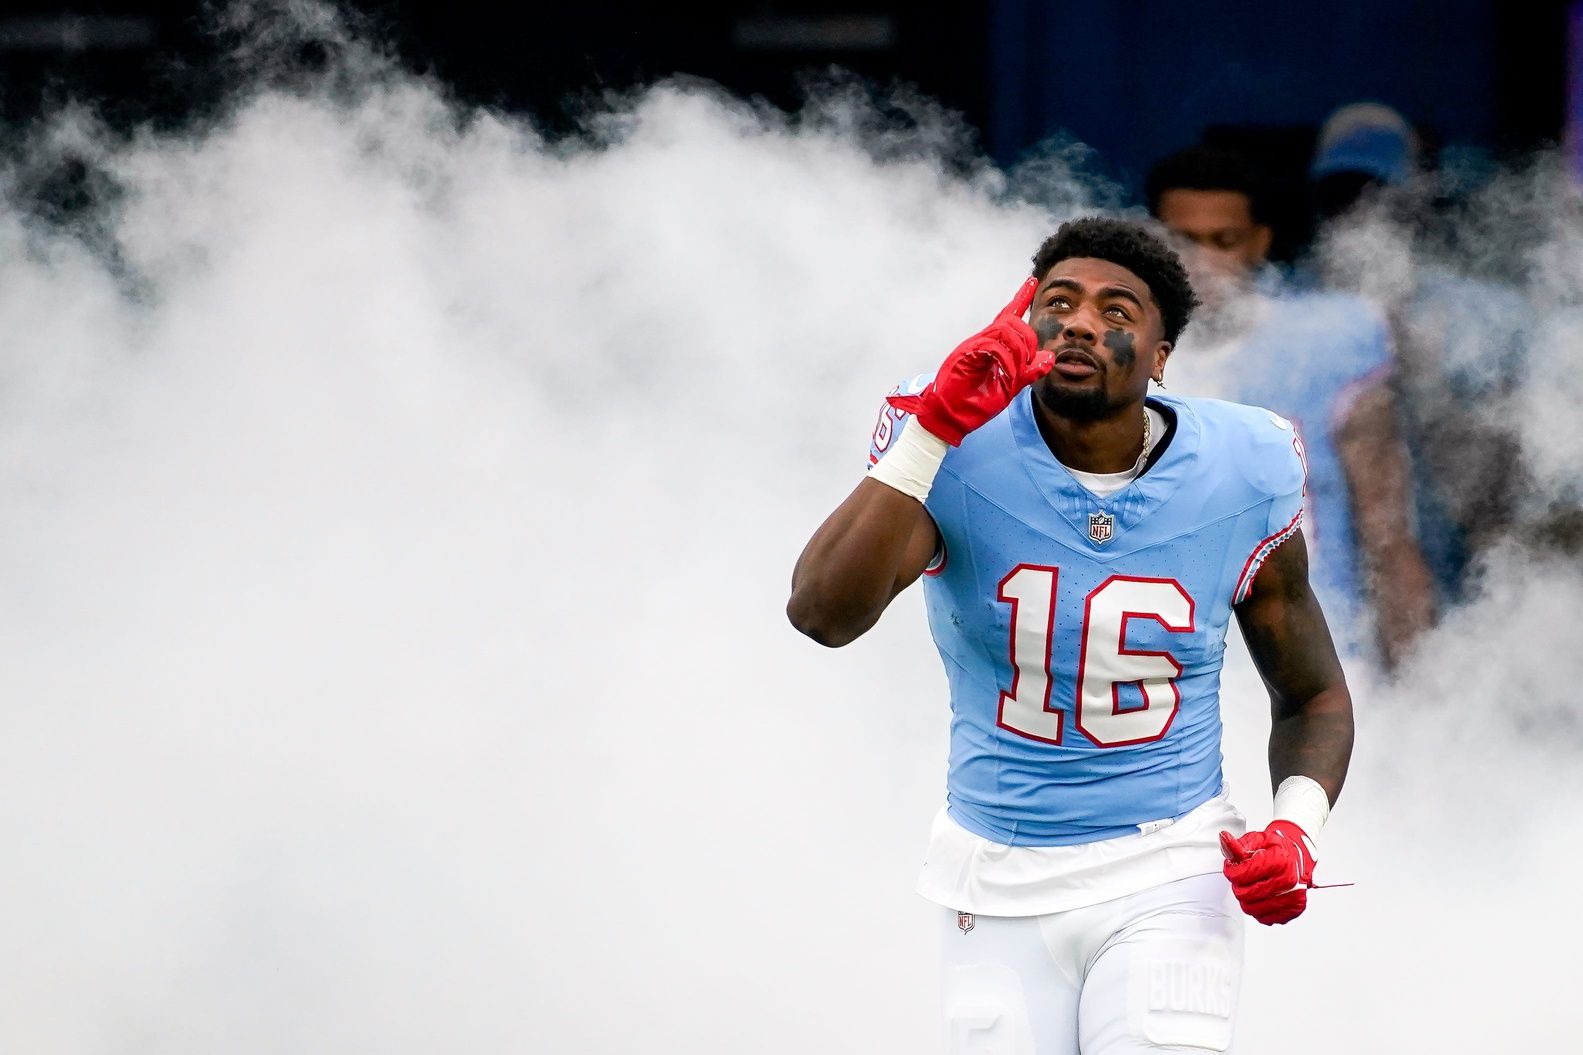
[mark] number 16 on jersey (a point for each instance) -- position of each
(1105, 663)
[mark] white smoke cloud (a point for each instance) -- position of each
(398, 512)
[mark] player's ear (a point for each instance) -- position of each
(1162, 352)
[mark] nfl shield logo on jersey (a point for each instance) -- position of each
(965, 921)
(1100, 526)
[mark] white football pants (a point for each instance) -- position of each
(1155, 971)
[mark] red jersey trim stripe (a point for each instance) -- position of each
(1260, 553)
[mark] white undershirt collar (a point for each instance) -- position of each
(1103, 485)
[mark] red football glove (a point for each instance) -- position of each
(979, 378)
(1270, 871)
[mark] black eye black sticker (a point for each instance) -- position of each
(1121, 348)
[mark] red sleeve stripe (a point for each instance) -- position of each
(1260, 553)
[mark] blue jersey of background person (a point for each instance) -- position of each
(1198, 523)
(1307, 359)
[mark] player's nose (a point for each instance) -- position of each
(1079, 328)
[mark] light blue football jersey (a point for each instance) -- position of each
(1083, 637)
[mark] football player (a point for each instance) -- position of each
(1084, 545)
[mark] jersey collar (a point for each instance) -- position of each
(1131, 505)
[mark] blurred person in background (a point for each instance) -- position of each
(1361, 148)
(1458, 339)
(1322, 360)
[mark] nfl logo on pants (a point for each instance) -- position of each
(1100, 526)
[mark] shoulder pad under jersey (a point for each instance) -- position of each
(1265, 448)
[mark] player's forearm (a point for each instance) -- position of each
(1314, 740)
(850, 569)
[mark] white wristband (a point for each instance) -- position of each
(912, 461)
(1303, 802)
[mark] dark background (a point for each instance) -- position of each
(1131, 78)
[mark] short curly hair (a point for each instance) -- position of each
(1134, 247)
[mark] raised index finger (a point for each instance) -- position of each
(1019, 304)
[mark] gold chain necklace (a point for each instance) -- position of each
(1143, 455)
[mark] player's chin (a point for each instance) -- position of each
(1080, 400)
(1057, 387)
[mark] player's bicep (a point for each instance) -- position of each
(1285, 628)
(925, 552)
